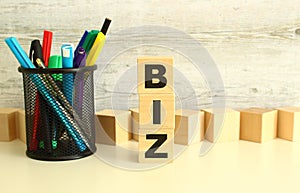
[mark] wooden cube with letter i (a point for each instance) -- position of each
(156, 109)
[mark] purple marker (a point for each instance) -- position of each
(79, 61)
(80, 44)
(80, 58)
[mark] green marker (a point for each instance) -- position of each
(41, 145)
(56, 62)
(89, 41)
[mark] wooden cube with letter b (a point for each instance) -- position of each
(155, 75)
(156, 109)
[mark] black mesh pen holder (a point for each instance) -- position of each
(59, 106)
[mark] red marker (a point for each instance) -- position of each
(47, 43)
(34, 54)
(34, 140)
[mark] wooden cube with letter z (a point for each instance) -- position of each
(156, 146)
(155, 75)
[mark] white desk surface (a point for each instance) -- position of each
(229, 167)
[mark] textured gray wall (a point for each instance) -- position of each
(254, 43)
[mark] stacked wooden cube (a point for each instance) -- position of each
(156, 109)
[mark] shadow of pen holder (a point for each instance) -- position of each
(60, 114)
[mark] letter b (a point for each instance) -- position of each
(149, 76)
(155, 75)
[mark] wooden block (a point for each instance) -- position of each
(230, 127)
(189, 126)
(158, 72)
(135, 124)
(116, 126)
(21, 125)
(8, 124)
(164, 107)
(289, 123)
(156, 146)
(258, 125)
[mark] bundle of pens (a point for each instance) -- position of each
(59, 95)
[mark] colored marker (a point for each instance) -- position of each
(81, 42)
(44, 88)
(35, 52)
(98, 44)
(47, 43)
(55, 61)
(88, 43)
(67, 62)
(80, 58)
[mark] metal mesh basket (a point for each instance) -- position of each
(59, 106)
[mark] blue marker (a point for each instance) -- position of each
(67, 62)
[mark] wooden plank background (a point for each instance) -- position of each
(255, 44)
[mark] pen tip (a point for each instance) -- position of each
(105, 25)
